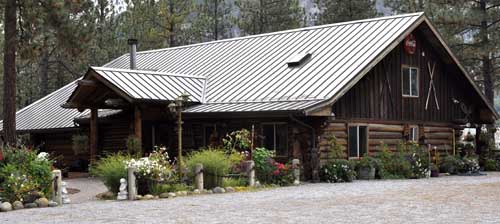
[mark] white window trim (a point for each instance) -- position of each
(403, 67)
(413, 135)
(357, 140)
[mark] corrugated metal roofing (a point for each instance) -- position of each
(47, 113)
(254, 68)
(252, 106)
(150, 85)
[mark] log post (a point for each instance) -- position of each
(93, 134)
(132, 187)
(250, 171)
(57, 186)
(315, 165)
(198, 172)
(138, 123)
(296, 171)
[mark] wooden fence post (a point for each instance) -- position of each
(296, 171)
(198, 171)
(132, 187)
(250, 171)
(57, 186)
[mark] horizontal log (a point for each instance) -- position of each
(375, 142)
(435, 142)
(339, 134)
(385, 127)
(437, 129)
(439, 135)
(385, 135)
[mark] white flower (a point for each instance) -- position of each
(43, 156)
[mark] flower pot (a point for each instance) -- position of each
(366, 173)
(434, 173)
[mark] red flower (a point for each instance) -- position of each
(276, 172)
(281, 166)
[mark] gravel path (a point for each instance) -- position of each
(89, 188)
(438, 200)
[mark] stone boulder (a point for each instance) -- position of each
(30, 205)
(5, 207)
(17, 205)
(219, 190)
(53, 204)
(230, 189)
(148, 197)
(42, 202)
(32, 197)
(171, 195)
(164, 195)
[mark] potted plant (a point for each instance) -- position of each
(366, 168)
(434, 170)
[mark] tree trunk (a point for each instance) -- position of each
(44, 70)
(9, 66)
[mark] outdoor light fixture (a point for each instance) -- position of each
(175, 108)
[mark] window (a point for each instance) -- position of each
(413, 136)
(410, 81)
(211, 135)
(358, 141)
(275, 137)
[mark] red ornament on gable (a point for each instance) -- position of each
(410, 44)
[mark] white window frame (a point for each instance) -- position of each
(417, 72)
(357, 140)
(413, 136)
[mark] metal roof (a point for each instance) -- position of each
(150, 85)
(252, 106)
(255, 69)
(47, 113)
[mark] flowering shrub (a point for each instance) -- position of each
(156, 166)
(450, 164)
(282, 174)
(23, 171)
(469, 164)
(338, 170)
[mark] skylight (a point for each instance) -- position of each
(298, 59)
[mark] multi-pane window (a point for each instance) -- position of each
(358, 141)
(275, 137)
(410, 81)
(413, 136)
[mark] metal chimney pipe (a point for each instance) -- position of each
(133, 53)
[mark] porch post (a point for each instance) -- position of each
(93, 134)
(138, 123)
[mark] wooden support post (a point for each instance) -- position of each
(296, 171)
(93, 134)
(132, 187)
(315, 165)
(198, 171)
(138, 123)
(57, 186)
(250, 171)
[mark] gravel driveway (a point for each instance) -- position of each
(438, 200)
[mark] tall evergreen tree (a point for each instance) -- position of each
(263, 16)
(333, 11)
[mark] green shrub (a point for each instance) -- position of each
(393, 165)
(23, 171)
(110, 169)
(469, 164)
(216, 164)
(490, 165)
(157, 189)
(450, 164)
(263, 159)
(134, 146)
(234, 182)
(339, 170)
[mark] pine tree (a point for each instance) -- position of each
(9, 68)
(333, 11)
(263, 16)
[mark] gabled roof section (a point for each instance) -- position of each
(255, 69)
(274, 106)
(46, 113)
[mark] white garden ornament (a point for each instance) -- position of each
(122, 195)
(65, 197)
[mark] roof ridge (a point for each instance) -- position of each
(146, 72)
(269, 101)
(279, 32)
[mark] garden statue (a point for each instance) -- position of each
(65, 197)
(122, 195)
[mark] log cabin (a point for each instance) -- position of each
(368, 82)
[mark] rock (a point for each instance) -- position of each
(164, 195)
(210, 192)
(196, 191)
(106, 195)
(230, 189)
(171, 195)
(184, 193)
(156, 197)
(53, 204)
(5, 207)
(148, 197)
(32, 197)
(17, 205)
(42, 202)
(219, 190)
(257, 184)
(138, 197)
(30, 205)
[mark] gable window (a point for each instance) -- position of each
(358, 141)
(410, 81)
(275, 137)
(413, 135)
